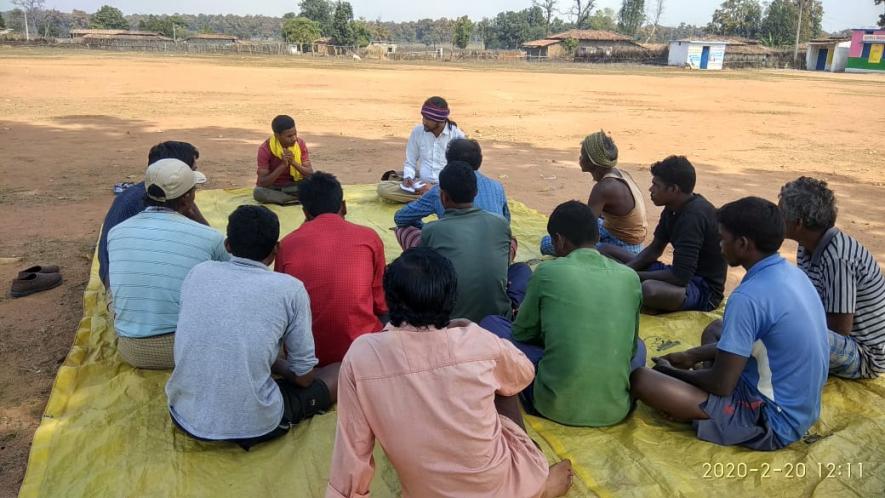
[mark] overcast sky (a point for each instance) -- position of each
(838, 14)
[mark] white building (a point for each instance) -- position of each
(828, 54)
(697, 54)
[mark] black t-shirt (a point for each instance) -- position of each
(694, 233)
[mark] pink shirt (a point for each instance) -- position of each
(428, 396)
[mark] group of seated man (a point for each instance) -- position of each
(433, 354)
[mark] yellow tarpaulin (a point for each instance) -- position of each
(106, 431)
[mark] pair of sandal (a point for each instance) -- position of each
(36, 279)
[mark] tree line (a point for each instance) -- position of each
(773, 22)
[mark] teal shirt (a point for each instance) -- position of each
(584, 310)
(150, 254)
(478, 245)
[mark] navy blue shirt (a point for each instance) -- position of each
(126, 204)
(775, 319)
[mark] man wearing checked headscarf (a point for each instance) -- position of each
(425, 154)
(615, 198)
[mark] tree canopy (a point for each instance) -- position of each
(109, 17)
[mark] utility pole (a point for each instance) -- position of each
(798, 31)
(27, 32)
(174, 38)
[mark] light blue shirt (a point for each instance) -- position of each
(235, 317)
(776, 320)
(490, 197)
(149, 255)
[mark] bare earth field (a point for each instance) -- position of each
(74, 123)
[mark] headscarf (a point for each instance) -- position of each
(434, 113)
(600, 149)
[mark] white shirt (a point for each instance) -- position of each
(426, 153)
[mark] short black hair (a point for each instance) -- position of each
(458, 180)
(755, 218)
(183, 151)
(676, 170)
(157, 191)
(252, 232)
(282, 123)
(420, 287)
(575, 221)
(320, 193)
(465, 149)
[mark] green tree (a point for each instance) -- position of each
(511, 29)
(737, 18)
(80, 19)
(342, 25)
(301, 31)
(881, 16)
(548, 7)
(320, 11)
(362, 32)
(631, 16)
(171, 26)
(603, 19)
(779, 24)
(569, 46)
(52, 24)
(462, 33)
(2, 22)
(108, 17)
(580, 12)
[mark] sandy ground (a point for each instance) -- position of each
(73, 124)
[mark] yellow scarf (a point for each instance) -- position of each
(276, 148)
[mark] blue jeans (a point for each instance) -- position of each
(605, 237)
(844, 357)
(503, 328)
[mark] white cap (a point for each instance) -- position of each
(172, 176)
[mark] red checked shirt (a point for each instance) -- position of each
(341, 265)
(267, 162)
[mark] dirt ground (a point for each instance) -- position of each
(74, 123)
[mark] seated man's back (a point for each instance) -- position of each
(775, 318)
(426, 387)
(150, 254)
(234, 316)
(478, 245)
(584, 309)
(341, 265)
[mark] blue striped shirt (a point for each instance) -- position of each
(490, 197)
(149, 255)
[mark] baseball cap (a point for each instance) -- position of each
(173, 177)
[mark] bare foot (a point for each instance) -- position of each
(559, 480)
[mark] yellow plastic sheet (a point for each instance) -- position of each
(106, 431)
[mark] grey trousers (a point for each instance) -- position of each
(277, 195)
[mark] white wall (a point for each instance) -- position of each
(840, 57)
(678, 53)
(682, 53)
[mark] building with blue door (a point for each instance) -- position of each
(827, 54)
(697, 54)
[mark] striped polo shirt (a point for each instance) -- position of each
(849, 280)
(150, 254)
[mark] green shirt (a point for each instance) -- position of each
(478, 245)
(584, 310)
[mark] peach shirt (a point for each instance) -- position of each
(428, 397)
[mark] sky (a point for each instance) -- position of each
(838, 14)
